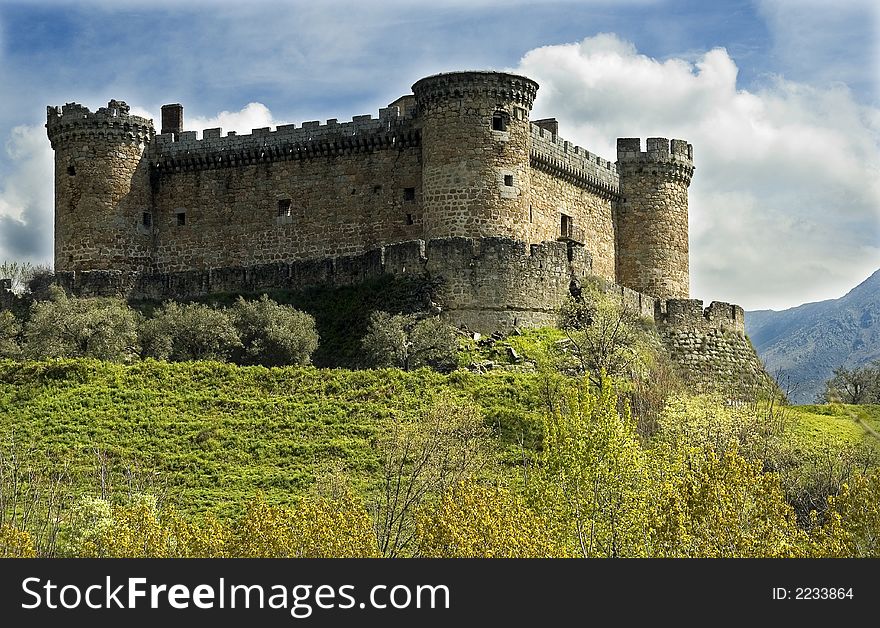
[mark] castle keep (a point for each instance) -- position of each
(454, 182)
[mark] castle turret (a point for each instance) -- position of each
(103, 212)
(652, 217)
(475, 145)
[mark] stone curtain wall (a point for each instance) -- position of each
(652, 218)
(476, 179)
(591, 214)
(101, 187)
(352, 187)
(525, 284)
(567, 179)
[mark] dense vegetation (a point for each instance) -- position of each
(577, 441)
(207, 438)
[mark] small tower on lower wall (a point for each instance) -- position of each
(652, 217)
(103, 208)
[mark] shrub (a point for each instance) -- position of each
(10, 333)
(604, 336)
(71, 327)
(273, 334)
(477, 521)
(189, 331)
(410, 341)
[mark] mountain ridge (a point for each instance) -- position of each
(801, 346)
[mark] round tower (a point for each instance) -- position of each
(475, 153)
(103, 212)
(652, 217)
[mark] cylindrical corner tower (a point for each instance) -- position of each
(652, 217)
(103, 212)
(475, 153)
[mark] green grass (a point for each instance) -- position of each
(822, 426)
(215, 432)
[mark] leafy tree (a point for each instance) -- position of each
(70, 327)
(477, 521)
(189, 331)
(316, 527)
(21, 273)
(860, 385)
(273, 334)
(421, 460)
(852, 527)
(718, 506)
(15, 543)
(604, 335)
(10, 334)
(410, 341)
(591, 480)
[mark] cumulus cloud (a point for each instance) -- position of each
(785, 202)
(254, 115)
(27, 198)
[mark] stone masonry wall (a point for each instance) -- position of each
(525, 284)
(476, 178)
(591, 215)
(298, 193)
(567, 179)
(710, 347)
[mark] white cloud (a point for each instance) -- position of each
(785, 202)
(26, 201)
(254, 115)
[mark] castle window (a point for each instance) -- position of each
(146, 219)
(284, 210)
(409, 194)
(566, 226)
(377, 189)
(409, 219)
(530, 213)
(181, 219)
(500, 120)
(508, 180)
(71, 170)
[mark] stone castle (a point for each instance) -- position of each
(453, 182)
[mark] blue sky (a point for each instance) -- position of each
(779, 97)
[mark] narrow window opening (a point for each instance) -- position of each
(566, 226)
(377, 189)
(181, 219)
(508, 180)
(354, 191)
(71, 170)
(284, 208)
(499, 121)
(530, 214)
(146, 219)
(409, 194)
(409, 219)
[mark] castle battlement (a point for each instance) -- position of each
(676, 156)
(74, 121)
(493, 85)
(558, 156)
(690, 314)
(184, 150)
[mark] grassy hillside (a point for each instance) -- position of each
(835, 425)
(214, 432)
(208, 434)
